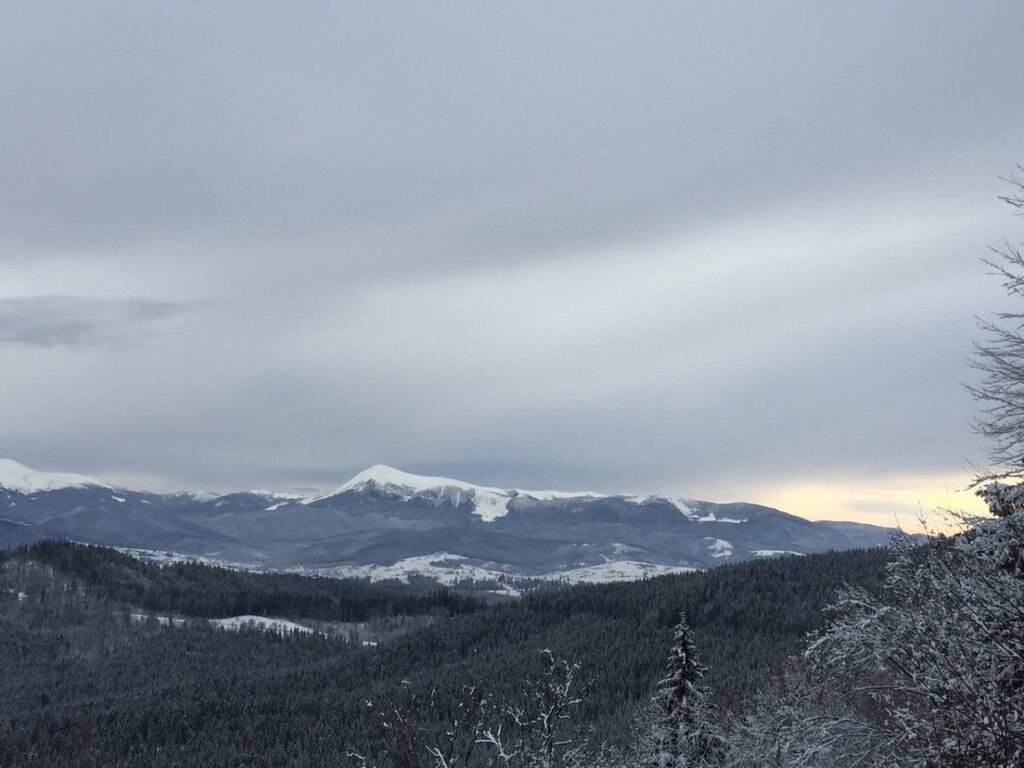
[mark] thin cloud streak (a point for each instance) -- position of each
(80, 321)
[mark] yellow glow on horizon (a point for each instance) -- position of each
(892, 500)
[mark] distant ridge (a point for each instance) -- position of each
(386, 524)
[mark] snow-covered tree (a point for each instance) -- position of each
(538, 730)
(683, 735)
(999, 359)
(542, 730)
(929, 673)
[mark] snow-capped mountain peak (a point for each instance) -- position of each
(21, 479)
(383, 477)
(396, 522)
(488, 503)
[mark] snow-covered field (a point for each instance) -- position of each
(165, 621)
(775, 552)
(617, 570)
(443, 567)
(450, 569)
(719, 547)
(169, 558)
(232, 623)
(281, 626)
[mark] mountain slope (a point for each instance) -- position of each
(386, 517)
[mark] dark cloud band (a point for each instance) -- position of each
(79, 321)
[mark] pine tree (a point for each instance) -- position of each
(684, 735)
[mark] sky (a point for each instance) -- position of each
(727, 250)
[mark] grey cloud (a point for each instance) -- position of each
(654, 246)
(80, 321)
(507, 130)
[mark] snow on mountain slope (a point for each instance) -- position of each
(617, 570)
(448, 569)
(686, 506)
(712, 518)
(774, 552)
(719, 547)
(25, 480)
(276, 495)
(488, 503)
(443, 567)
(389, 524)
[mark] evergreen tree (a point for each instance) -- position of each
(684, 736)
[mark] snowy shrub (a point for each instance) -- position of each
(929, 673)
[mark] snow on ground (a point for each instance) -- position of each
(711, 518)
(450, 569)
(169, 558)
(444, 567)
(774, 552)
(21, 479)
(233, 623)
(164, 621)
(617, 570)
(683, 505)
(719, 547)
(281, 626)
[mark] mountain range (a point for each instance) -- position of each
(387, 524)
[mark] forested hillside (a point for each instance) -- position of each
(196, 589)
(81, 683)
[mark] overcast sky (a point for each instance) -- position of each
(725, 250)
